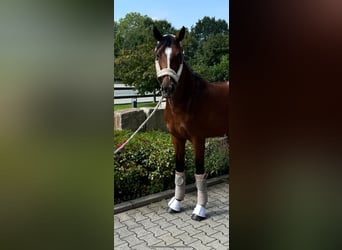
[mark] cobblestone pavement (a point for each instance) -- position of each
(152, 227)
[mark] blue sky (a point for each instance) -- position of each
(177, 12)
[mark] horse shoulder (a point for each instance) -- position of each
(177, 122)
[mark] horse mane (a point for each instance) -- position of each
(195, 75)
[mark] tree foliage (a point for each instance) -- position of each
(208, 26)
(132, 31)
(133, 52)
(136, 68)
(206, 48)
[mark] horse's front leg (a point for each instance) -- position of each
(175, 202)
(201, 180)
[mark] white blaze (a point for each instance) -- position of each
(168, 52)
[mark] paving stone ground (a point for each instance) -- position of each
(152, 227)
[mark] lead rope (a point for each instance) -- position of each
(140, 127)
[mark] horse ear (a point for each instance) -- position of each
(180, 35)
(157, 34)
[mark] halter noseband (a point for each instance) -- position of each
(169, 72)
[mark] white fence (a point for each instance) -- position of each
(124, 95)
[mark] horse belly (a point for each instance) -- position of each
(214, 120)
(213, 127)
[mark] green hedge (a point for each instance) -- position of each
(146, 165)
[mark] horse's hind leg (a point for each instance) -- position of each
(201, 180)
(174, 204)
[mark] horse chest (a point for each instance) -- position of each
(178, 124)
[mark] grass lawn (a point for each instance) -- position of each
(140, 105)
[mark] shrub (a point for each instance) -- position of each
(146, 164)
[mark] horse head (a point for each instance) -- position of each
(169, 60)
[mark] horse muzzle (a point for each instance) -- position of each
(167, 88)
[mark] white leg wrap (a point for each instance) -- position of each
(199, 210)
(174, 204)
(179, 185)
(202, 193)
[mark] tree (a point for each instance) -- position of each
(134, 51)
(132, 30)
(209, 51)
(136, 68)
(208, 26)
(211, 56)
(219, 71)
(164, 27)
(189, 45)
(206, 49)
(117, 45)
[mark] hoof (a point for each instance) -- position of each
(174, 206)
(198, 213)
(172, 211)
(197, 217)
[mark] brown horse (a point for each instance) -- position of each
(195, 109)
